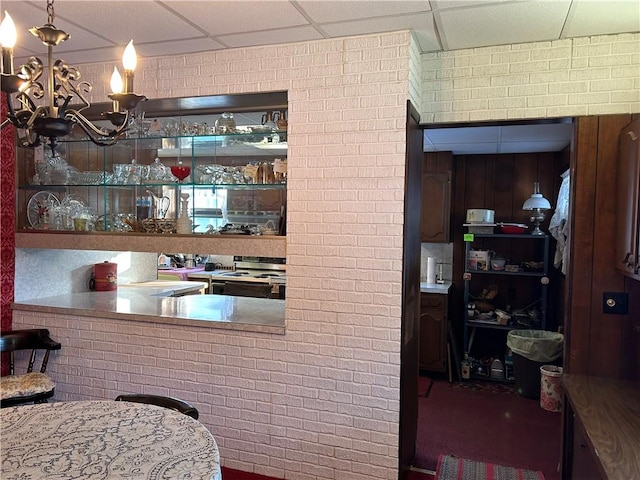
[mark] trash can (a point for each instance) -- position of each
(532, 349)
(551, 388)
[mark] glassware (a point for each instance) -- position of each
(180, 171)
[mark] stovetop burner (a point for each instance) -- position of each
(268, 275)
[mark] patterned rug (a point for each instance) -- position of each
(488, 386)
(451, 467)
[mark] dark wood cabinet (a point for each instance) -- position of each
(600, 436)
(433, 331)
(437, 193)
(628, 236)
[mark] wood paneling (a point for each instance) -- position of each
(598, 344)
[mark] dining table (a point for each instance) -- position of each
(104, 439)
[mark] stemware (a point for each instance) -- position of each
(180, 171)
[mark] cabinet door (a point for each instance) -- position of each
(436, 207)
(628, 198)
(583, 464)
(433, 332)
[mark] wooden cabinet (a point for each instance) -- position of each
(628, 236)
(601, 430)
(583, 463)
(436, 197)
(433, 331)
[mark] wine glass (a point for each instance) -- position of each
(180, 171)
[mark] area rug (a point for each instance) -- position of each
(484, 386)
(451, 467)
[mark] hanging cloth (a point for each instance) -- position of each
(559, 224)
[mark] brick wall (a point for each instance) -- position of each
(321, 401)
(583, 76)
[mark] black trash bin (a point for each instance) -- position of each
(531, 350)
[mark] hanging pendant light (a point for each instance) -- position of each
(43, 108)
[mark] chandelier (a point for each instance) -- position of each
(47, 113)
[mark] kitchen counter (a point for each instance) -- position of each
(442, 288)
(143, 304)
(169, 288)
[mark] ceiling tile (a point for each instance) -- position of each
(424, 21)
(502, 24)
(550, 131)
(225, 17)
(286, 35)
(120, 21)
(328, 11)
(602, 18)
(178, 47)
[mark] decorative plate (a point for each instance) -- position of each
(39, 205)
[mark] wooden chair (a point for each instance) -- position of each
(161, 401)
(31, 386)
(247, 289)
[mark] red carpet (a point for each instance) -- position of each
(424, 384)
(501, 428)
(230, 474)
(455, 468)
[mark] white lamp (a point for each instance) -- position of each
(537, 204)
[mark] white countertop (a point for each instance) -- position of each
(168, 288)
(143, 304)
(442, 288)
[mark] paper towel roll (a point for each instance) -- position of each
(431, 270)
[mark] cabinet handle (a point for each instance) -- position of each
(633, 136)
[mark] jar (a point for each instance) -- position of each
(225, 123)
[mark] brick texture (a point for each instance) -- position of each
(582, 76)
(321, 401)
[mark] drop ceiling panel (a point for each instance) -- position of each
(602, 18)
(422, 21)
(286, 35)
(501, 24)
(224, 17)
(332, 11)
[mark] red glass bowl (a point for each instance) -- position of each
(180, 171)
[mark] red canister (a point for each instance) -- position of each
(105, 276)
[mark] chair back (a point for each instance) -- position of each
(32, 339)
(161, 401)
(28, 386)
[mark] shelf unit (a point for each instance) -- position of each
(169, 131)
(519, 290)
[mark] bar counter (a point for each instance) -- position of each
(149, 305)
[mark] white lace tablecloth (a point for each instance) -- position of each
(94, 440)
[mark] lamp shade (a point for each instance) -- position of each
(536, 200)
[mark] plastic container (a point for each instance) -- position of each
(551, 388)
(532, 349)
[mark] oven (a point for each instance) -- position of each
(248, 270)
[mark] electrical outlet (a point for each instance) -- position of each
(615, 303)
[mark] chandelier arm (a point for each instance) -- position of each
(97, 135)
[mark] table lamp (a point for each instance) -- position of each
(537, 204)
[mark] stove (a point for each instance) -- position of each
(248, 269)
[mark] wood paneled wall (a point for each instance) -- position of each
(598, 344)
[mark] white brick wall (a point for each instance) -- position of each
(583, 76)
(321, 401)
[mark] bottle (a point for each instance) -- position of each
(465, 369)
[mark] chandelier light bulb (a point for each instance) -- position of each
(8, 35)
(116, 81)
(129, 59)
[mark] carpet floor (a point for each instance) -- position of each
(490, 425)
